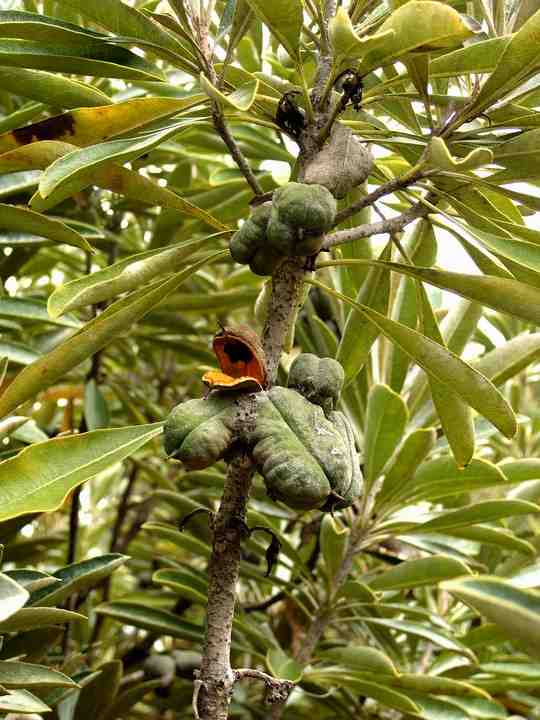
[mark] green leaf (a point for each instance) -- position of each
(360, 659)
(36, 617)
(399, 473)
(96, 412)
(33, 26)
(431, 708)
(180, 583)
(437, 685)
(20, 219)
(95, 58)
(486, 511)
(18, 354)
(447, 368)
(334, 539)
(92, 337)
(386, 418)
(500, 293)
(160, 621)
(123, 19)
(51, 88)
(35, 310)
(378, 691)
(97, 695)
(284, 19)
(520, 156)
(12, 597)
(182, 540)
(241, 99)
(515, 611)
(73, 172)
(507, 360)
(31, 579)
(442, 477)
(415, 573)
(438, 638)
(359, 334)
(494, 536)
(77, 578)
(41, 476)
(128, 183)
(27, 675)
(518, 62)
(282, 666)
(125, 275)
(124, 701)
(22, 701)
(480, 57)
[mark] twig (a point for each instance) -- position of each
(277, 690)
(218, 119)
(392, 225)
(73, 526)
(398, 183)
(236, 153)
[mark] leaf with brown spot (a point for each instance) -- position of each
(87, 126)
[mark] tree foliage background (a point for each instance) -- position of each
(133, 138)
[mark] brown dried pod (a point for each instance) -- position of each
(240, 353)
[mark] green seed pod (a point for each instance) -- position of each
(320, 380)
(199, 432)
(249, 245)
(300, 216)
(304, 459)
(251, 236)
(348, 491)
(264, 262)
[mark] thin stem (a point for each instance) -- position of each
(392, 225)
(305, 92)
(217, 113)
(236, 154)
(399, 183)
(73, 526)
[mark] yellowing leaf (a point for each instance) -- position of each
(518, 62)
(419, 25)
(439, 157)
(284, 18)
(346, 43)
(87, 126)
(241, 99)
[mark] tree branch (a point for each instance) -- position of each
(287, 283)
(216, 678)
(398, 183)
(215, 682)
(277, 690)
(392, 225)
(236, 154)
